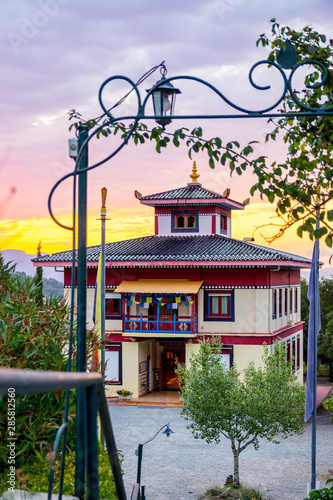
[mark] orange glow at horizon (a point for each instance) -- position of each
(138, 221)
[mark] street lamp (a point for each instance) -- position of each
(163, 94)
(164, 98)
(138, 452)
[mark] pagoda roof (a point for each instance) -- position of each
(181, 250)
(192, 192)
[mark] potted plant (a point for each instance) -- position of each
(124, 394)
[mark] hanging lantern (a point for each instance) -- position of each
(164, 98)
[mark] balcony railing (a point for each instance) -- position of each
(160, 324)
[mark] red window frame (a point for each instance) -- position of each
(112, 306)
(280, 302)
(210, 315)
(224, 223)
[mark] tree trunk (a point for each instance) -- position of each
(236, 469)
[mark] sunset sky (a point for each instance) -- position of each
(55, 54)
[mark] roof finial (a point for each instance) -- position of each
(194, 175)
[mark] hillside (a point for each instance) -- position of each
(51, 287)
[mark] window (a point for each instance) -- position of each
(285, 301)
(112, 305)
(224, 223)
(296, 301)
(274, 304)
(298, 347)
(280, 302)
(225, 358)
(288, 349)
(184, 221)
(294, 353)
(113, 360)
(291, 301)
(219, 305)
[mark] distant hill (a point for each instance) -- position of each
(51, 287)
(24, 264)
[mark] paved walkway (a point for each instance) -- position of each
(181, 467)
(171, 398)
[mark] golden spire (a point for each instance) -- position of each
(103, 208)
(194, 175)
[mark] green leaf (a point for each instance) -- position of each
(271, 197)
(218, 142)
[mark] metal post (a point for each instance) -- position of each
(81, 317)
(92, 445)
(110, 442)
(103, 219)
(138, 478)
(316, 320)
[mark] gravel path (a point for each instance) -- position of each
(181, 467)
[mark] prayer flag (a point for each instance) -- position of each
(313, 331)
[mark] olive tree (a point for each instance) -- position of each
(265, 402)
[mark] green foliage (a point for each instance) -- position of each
(34, 337)
(328, 404)
(51, 286)
(267, 403)
(323, 494)
(242, 491)
(325, 338)
(35, 477)
(39, 279)
(303, 183)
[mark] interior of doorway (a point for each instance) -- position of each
(173, 353)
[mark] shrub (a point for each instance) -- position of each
(36, 337)
(328, 404)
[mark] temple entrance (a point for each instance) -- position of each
(173, 353)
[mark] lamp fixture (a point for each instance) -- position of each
(164, 98)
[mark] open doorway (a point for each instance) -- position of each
(173, 353)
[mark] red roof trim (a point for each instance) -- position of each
(224, 202)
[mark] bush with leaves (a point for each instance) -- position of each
(323, 494)
(267, 403)
(35, 337)
(303, 182)
(35, 477)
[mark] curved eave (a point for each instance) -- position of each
(185, 263)
(221, 202)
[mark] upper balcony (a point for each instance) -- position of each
(153, 307)
(176, 324)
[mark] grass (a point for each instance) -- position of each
(244, 493)
(35, 477)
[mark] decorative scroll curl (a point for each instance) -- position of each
(268, 112)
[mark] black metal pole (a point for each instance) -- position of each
(138, 478)
(316, 322)
(110, 441)
(80, 458)
(92, 445)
